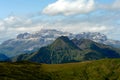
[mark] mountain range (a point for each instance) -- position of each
(31, 42)
(64, 50)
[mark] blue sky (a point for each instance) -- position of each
(106, 1)
(18, 16)
(22, 7)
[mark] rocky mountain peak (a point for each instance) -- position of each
(25, 35)
(95, 36)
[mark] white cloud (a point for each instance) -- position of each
(13, 25)
(85, 27)
(11, 19)
(1, 26)
(70, 7)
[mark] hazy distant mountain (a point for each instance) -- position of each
(63, 50)
(30, 42)
(98, 37)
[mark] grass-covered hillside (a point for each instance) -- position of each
(107, 69)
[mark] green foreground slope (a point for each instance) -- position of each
(107, 69)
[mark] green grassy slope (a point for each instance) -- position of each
(107, 69)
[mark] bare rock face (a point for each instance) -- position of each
(95, 36)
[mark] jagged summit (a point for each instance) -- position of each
(63, 42)
(63, 38)
(95, 36)
(47, 33)
(25, 35)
